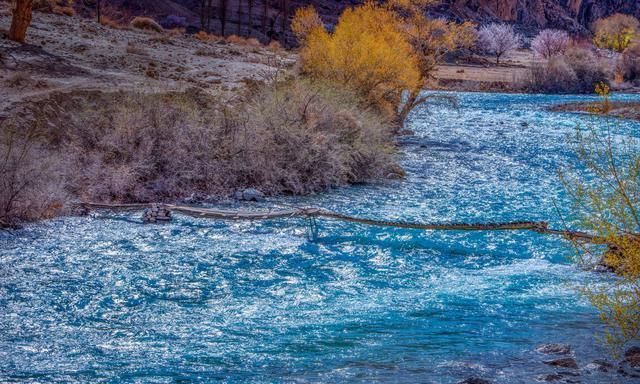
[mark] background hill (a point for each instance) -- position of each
(267, 19)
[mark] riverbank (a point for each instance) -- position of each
(618, 109)
(128, 115)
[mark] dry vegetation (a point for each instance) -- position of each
(176, 116)
(291, 137)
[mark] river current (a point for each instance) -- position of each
(106, 299)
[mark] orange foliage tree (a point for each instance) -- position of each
(367, 52)
(385, 52)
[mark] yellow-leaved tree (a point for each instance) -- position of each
(605, 189)
(616, 32)
(367, 52)
(383, 51)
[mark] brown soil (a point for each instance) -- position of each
(69, 54)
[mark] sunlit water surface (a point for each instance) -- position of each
(104, 298)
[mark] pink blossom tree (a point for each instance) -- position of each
(498, 39)
(550, 42)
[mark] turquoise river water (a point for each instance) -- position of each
(106, 299)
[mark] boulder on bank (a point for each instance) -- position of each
(249, 194)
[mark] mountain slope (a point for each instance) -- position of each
(252, 18)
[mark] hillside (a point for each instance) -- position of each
(68, 54)
(252, 18)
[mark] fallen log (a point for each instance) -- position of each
(225, 214)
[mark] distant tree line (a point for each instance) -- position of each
(219, 9)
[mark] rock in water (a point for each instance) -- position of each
(474, 380)
(156, 213)
(565, 362)
(551, 377)
(632, 351)
(554, 349)
(599, 365)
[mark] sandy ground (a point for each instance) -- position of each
(513, 69)
(71, 53)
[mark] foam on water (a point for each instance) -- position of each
(107, 299)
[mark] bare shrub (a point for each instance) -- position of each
(44, 5)
(238, 40)
(555, 77)
(134, 49)
(176, 32)
(275, 46)
(629, 64)
(32, 183)
(498, 39)
(290, 137)
(108, 22)
(577, 71)
(64, 10)
(550, 42)
(146, 23)
(204, 36)
(589, 69)
(19, 79)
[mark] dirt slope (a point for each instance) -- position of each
(71, 53)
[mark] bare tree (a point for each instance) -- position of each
(205, 15)
(498, 39)
(239, 11)
(550, 42)
(222, 14)
(21, 19)
(250, 20)
(265, 12)
(285, 19)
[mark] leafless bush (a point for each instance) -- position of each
(577, 71)
(146, 23)
(64, 10)
(238, 40)
(629, 64)
(32, 184)
(290, 137)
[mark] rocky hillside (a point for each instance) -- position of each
(572, 15)
(265, 19)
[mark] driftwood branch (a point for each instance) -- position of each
(223, 214)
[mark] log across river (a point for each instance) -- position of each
(311, 213)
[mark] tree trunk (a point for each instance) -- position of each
(223, 15)
(98, 11)
(250, 19)
(285, 17)
(239, 11)
(265, 11)
(21, 20)
(209, 14)
(202, 15)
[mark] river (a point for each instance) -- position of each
(105, 298)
